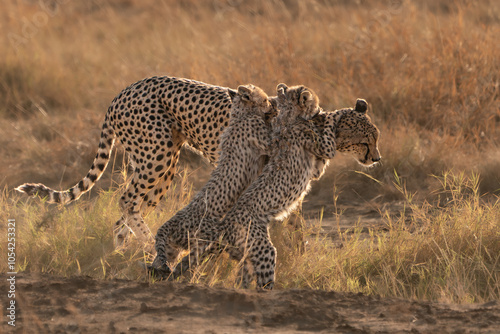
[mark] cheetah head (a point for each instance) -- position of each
(296, 101)
(250, 97)
(356, 134)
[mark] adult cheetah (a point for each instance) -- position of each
(245, 144)
(301, 150)
(152, 119)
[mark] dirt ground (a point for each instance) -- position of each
(47, 304)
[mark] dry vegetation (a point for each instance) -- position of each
(429, 69)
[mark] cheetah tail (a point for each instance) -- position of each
(99, 165)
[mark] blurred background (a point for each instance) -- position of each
(429, 69)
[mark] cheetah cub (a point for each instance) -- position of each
(245, 144)
(296, 148)
(284, 181)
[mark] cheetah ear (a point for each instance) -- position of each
(245, 92)
(281, 90)
(361, 106)
(232, 93)
(282, 87)
(306, 98)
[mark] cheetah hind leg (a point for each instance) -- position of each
(166, 255)
(156, 194)
(142, 196)
(121, 234)
(132, 222)
(122, 231)
(166, 168)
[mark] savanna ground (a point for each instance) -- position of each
(412, 244)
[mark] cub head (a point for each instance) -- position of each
(356, 134)
(251, 98)
(296, 101)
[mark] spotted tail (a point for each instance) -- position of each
(99, 165)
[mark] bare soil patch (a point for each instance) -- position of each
(84, 305)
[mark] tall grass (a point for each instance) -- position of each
(427, 68)
(447, 251)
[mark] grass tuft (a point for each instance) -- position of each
(446, 251)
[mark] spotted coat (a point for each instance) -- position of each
(152, 119)
(245, 144)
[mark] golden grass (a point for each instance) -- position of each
(429, 70)
(448, 250)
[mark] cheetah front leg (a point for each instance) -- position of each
(166, 253)
(258, 258)
(263, 260)
(322, 145)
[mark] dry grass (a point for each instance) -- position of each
(448, 250)
(430, 72)
(429, 69)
